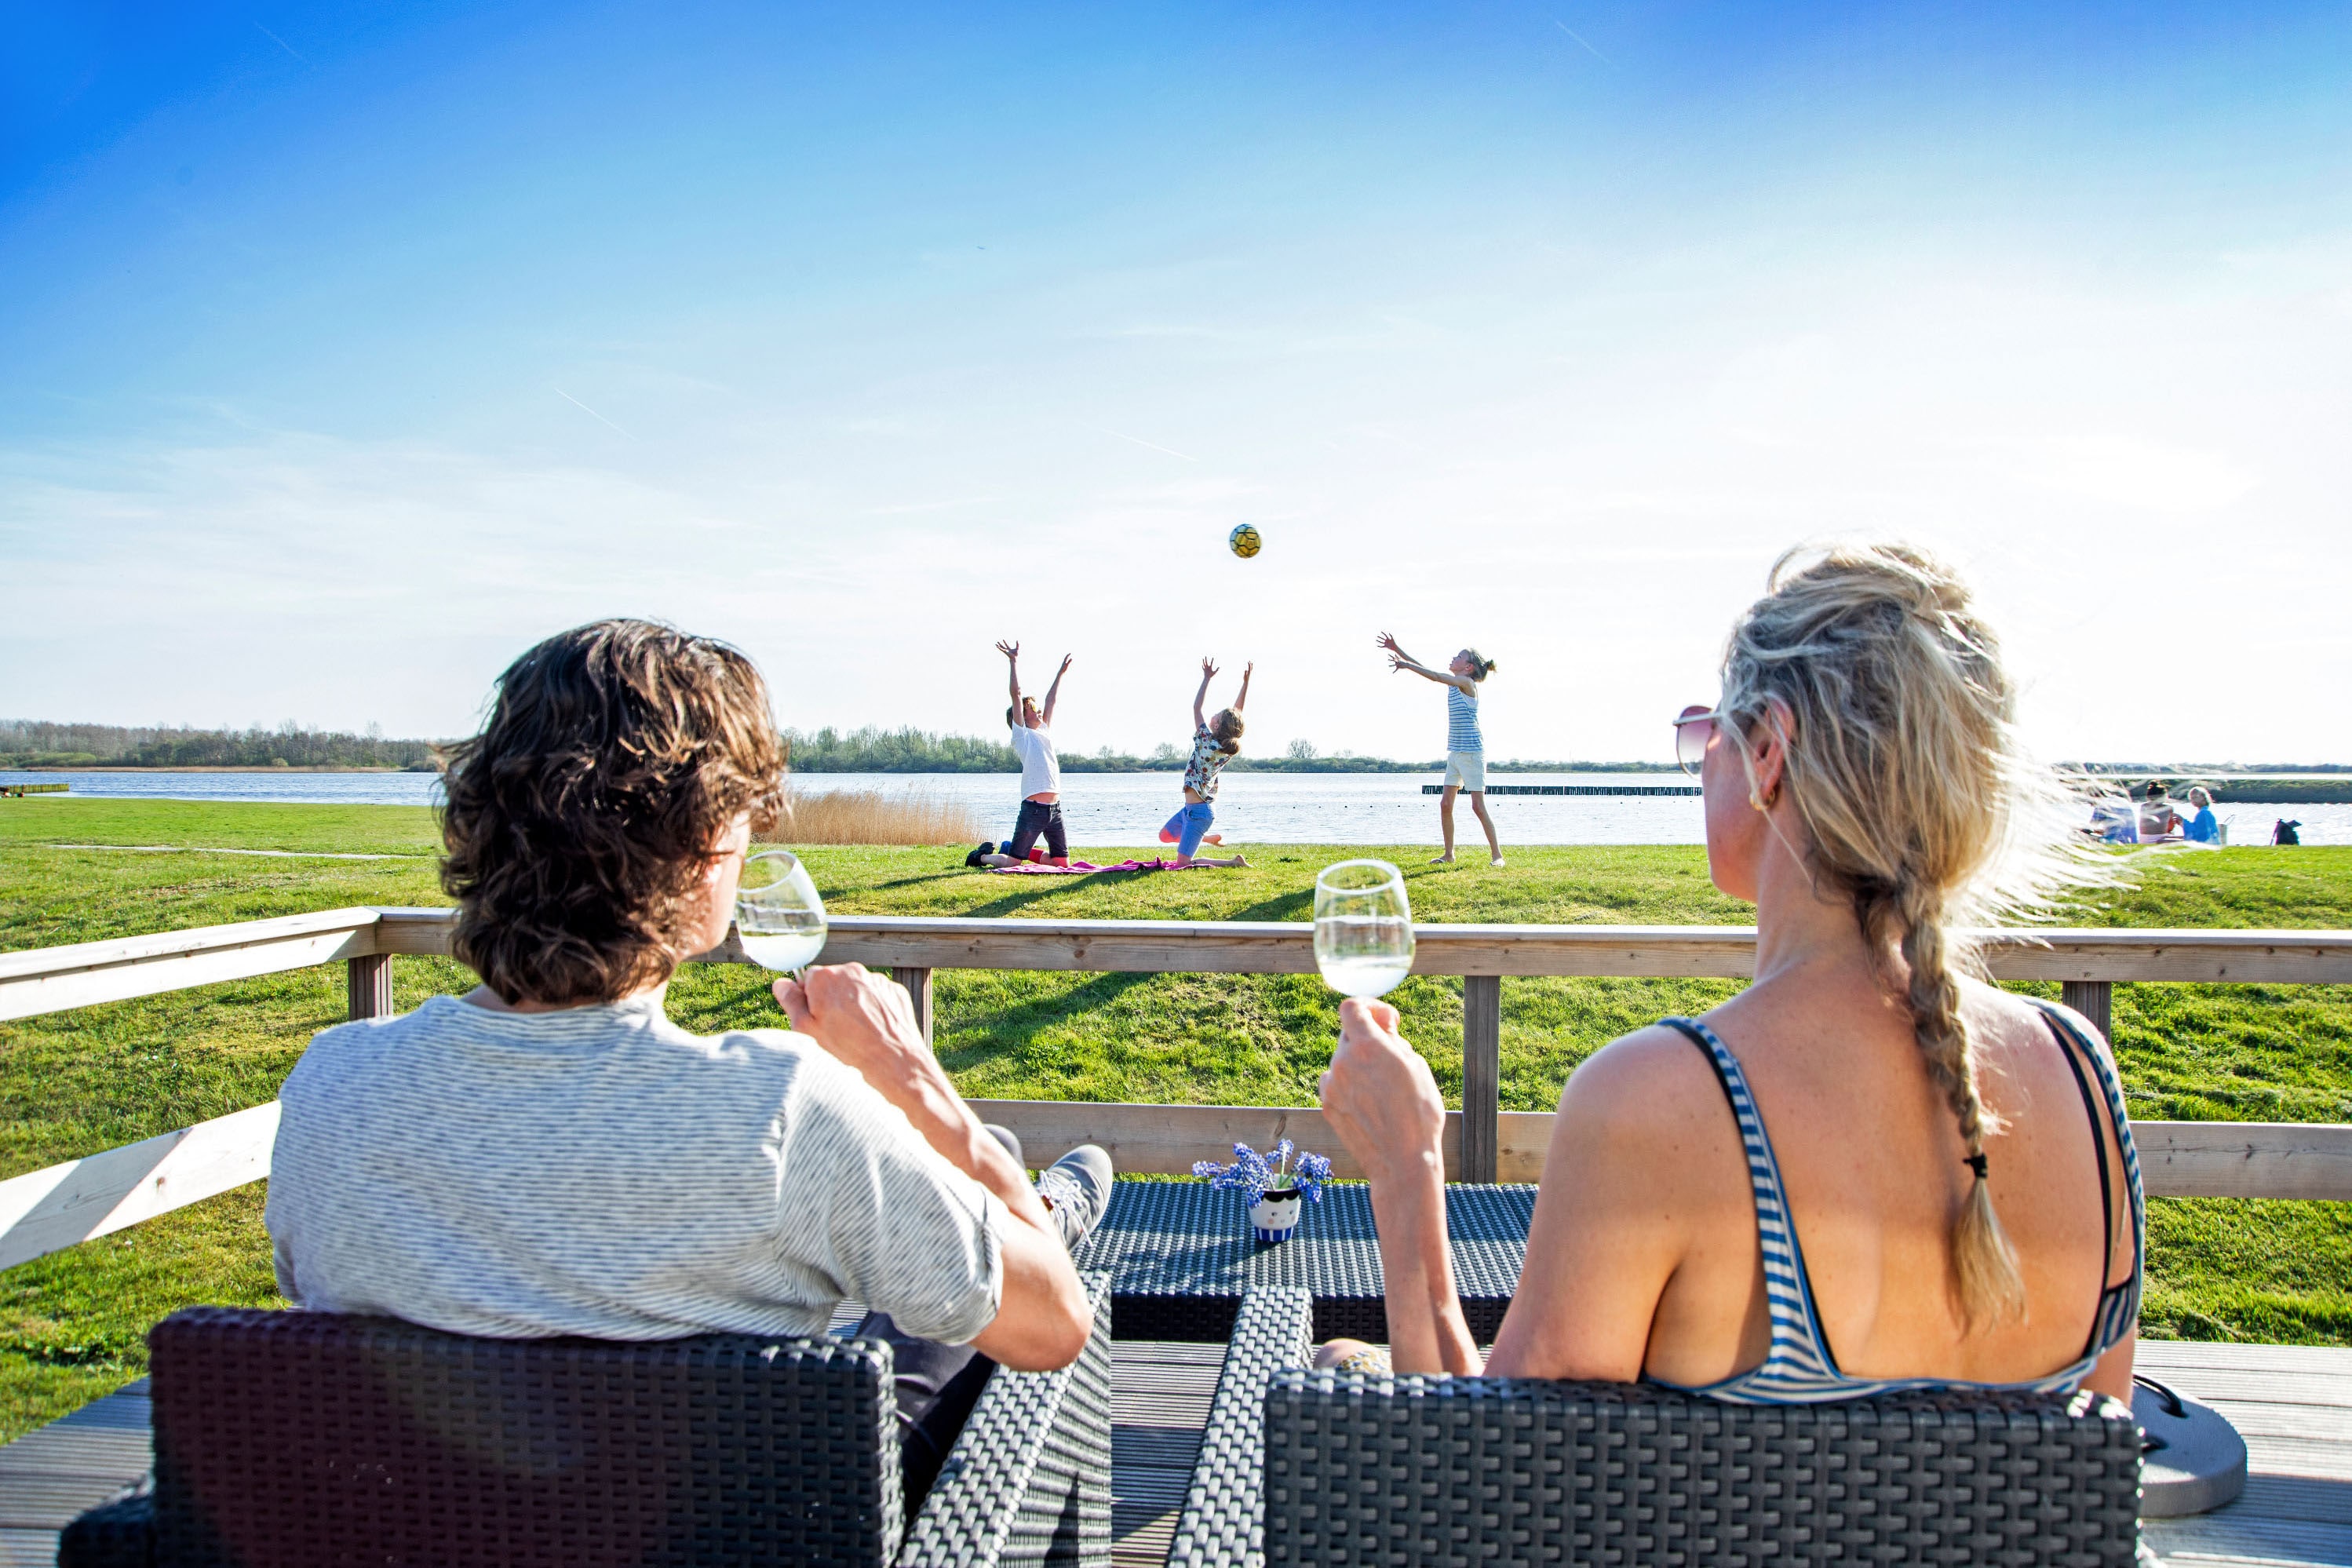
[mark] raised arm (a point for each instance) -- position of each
(1012, 652)
(1054, 690)
(1400, 659)
(867, 1021)
(1381, 1100)
(1208, 673)
(1245, 696)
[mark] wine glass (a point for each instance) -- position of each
(779, 918)
(1363, 927)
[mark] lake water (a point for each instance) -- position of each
(1128, 808)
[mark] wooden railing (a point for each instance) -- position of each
(46, 1210)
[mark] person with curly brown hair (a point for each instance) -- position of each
(549, 1154)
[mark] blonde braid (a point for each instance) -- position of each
(1991, 1288)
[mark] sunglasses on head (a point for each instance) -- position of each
(1694, 727)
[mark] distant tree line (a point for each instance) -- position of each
(912, 750)
(35, 743)
(2198, 770)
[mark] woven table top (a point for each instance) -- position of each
(1165, 1242)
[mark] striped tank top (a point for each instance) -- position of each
(1462, 722)
(1799, 1369)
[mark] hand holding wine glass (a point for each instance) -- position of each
(779, 918)
(1378, 1095)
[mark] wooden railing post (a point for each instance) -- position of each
(917, 983)
(2092, 998)
(1482, 1073)
(369, 983)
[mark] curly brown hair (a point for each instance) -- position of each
(579, 819)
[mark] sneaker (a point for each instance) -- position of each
(1077, 1189)
(987, 847)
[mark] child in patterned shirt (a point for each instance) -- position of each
(1215, 742)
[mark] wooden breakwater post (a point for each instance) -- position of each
(1577, 789)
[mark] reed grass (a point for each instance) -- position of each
(876, 816)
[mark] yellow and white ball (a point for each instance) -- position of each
(1244, 541)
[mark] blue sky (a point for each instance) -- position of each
(348, 350)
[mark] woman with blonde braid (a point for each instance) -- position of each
(1870, 1170)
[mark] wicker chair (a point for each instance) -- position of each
(1300, 1467)
(297, 1440)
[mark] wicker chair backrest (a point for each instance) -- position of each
(303, 1438)
(1455, 1470)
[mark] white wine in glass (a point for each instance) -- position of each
(779, 918)
(1363, 928)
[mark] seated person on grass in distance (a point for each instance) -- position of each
(1940, 1171)
(2159, 818)
(549, 1154)
(2204, 827)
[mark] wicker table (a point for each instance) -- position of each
(1180, 1254)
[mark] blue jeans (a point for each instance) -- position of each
(1185, 829)
(1038, 817)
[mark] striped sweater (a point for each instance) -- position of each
(599, 1171)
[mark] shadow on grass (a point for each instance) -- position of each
(1282, 906)
(1022, 898)
(1009, 1031)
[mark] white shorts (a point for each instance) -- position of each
(1467, 769)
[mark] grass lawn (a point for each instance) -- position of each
(72, 1083)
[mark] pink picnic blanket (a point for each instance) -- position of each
(1085, 868)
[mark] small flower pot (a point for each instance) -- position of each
(1275, 1216)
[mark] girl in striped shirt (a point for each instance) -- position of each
(1466, 752)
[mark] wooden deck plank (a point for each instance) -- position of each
(2298, 1496)
(2315, 1388)
(27, 1548)
(2315, 1458)
(1160, 1394)
(2279, 1419)
(2334, 1360)
(2231, 1537)
(48, 1476)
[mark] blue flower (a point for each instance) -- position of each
(1253, 1175)
(1313, 1171)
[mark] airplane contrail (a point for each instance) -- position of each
(588, 411)
(281, 43)
(1142, 442)
(1572, 33)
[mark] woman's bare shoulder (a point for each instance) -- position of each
(1649, 1078)
(2004, 1018)
(2012, 1035)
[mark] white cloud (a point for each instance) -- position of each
(1586, 486)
